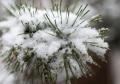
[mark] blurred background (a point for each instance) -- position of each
(108, 73)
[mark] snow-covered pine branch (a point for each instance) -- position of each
(50, 45)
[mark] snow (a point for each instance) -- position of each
(80, 46)
(45, 41)
(99, 47)
(54, 46)
(5, 76)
